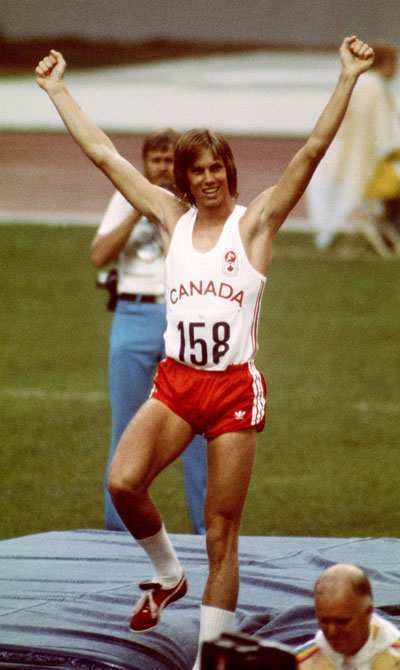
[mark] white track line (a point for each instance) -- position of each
(48, 394)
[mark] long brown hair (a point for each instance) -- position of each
(187, 150)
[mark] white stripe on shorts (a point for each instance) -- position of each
(258, 410)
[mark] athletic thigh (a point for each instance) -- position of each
(230, 463)
(154, 438)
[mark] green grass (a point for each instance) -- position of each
(329, 334)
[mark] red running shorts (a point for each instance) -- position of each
(213, 402)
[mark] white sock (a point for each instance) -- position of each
(213, 622)
(158, 547)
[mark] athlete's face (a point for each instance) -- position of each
(344, 620)
(158, 166)
(208, 180)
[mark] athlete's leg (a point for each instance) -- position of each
(154, 438)
(230, 462)
(136, 338)
(194, 461)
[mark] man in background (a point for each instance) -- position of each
(133, 244)
(351, 635)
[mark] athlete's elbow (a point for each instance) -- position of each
(315, 149)
(101, 155)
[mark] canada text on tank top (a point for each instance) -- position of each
(213, 298)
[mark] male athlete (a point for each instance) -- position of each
(219, 255)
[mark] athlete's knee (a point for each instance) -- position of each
(124, 488)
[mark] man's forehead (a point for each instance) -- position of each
(206, 155)
(160, 151)
(343, 603)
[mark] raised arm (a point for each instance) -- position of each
(276, 203)
(153, 201)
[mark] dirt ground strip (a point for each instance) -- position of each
(46, 172)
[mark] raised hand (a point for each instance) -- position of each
(50, 70)
(356, 56)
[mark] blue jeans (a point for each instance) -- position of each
(136, 346)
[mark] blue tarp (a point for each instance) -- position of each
(66, 597)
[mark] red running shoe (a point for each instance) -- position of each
(146, 614)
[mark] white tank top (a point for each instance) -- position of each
(213, 298)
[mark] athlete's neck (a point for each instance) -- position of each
(214, 216)
(208, 227)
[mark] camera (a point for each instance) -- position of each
(244, 652)
(109, 281)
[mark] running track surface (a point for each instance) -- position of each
(45, 173)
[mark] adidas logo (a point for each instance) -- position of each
(240, 414)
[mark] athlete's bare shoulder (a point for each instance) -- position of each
(255, 232)
(253, 219)
(173, 208)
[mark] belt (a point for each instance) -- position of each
(139, 297)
